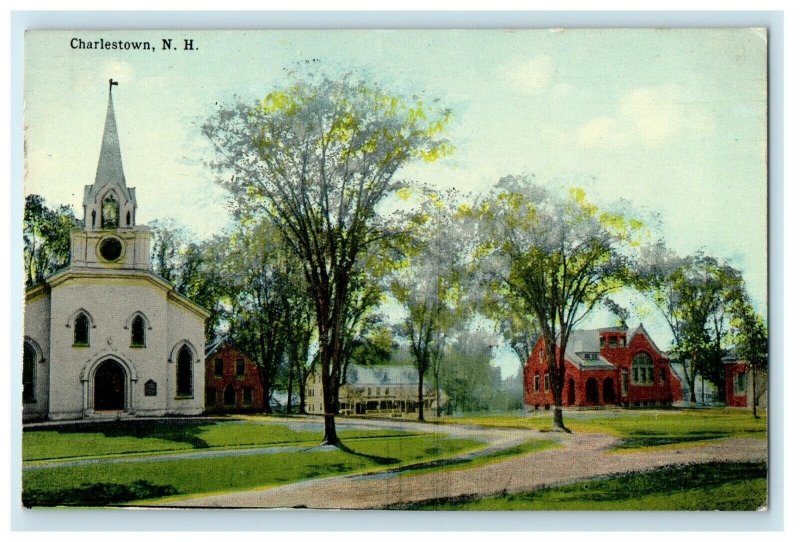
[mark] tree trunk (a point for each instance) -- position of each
(558, 418)
(438, 402)
(289, 389)
(330, 437)
(421, 416)
(690, 381)
(702, 391)
(755, 397)
(301, 389)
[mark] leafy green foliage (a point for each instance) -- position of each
(467, 375)
(554, 258)
(317, 158)
(46, 238)
(429, 285)
(697, 296)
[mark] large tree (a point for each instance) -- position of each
(554, 257)
(752, 345)
(696, 296)
(317, 158)
(195, 269)
(46, 238)
(428, 286)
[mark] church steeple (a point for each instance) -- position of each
(109, 203)
(109, 167)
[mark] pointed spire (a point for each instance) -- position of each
(109, 167)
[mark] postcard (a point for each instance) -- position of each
(396, 269)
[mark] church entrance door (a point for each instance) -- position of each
(109, 386)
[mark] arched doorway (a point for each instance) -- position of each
(109, 386)
(570, 392)
(609, 397)
(592, 396)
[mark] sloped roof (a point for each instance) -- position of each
(377, 375)
(582, 341)
(109, 165)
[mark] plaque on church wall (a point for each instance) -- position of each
(479, 269)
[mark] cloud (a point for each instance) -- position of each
(532, 75)
(644, 116)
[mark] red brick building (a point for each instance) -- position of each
(609, 366)
(233, 382)
(739, 384)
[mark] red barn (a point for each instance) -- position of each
(609, 366)
(233, 382)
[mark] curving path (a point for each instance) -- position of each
(582, 456)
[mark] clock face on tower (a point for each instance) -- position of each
(110, 249)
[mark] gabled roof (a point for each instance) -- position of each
(60, 277)
(583, 341)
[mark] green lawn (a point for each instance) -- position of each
(527, 447)
(639, 428)
(710, 486)
(119, 483)
(142, 437)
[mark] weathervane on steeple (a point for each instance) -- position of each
(111, 83)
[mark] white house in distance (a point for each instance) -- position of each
(107, 336)
(388, 391)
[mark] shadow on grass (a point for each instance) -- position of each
(648, 439)
(185, 431)
(380, 460)
(102, 494)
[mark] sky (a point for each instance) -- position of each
(671, 122)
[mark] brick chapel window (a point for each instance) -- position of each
(547, 382)
(535, 382)
(624, 382)
(240, 367)
(662, 375)
(247, 396)
(81, 332)
(184, 371)
(642, 368)
(137, 331)
(218, 367)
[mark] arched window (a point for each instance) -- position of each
(137, 331)
(28, 373)
(110, 213)
(184, 376)
(94, 218)
(81, 330)
(128, 219)
(642, 369)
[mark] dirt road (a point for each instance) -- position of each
(581, 456)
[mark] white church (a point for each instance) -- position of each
(107, 337)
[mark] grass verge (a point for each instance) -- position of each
(640, 429)
(709, 486)
(527, 447)
(163, 436)
(141, 482)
